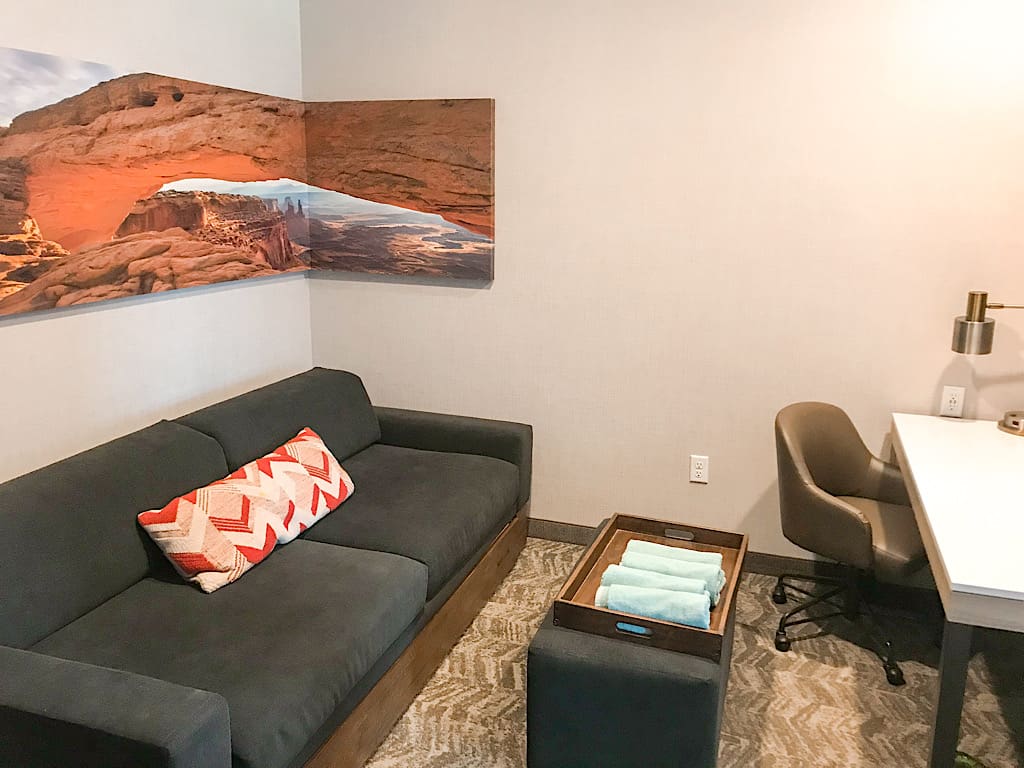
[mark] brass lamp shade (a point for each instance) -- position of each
(972, 333)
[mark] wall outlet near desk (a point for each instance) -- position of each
(952, 403)
(699, 468)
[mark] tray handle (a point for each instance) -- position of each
(679, 534)
(630, 629)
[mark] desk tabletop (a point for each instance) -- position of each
(966, 482)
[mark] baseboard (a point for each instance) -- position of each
(897, 596)
(568, 533)
(768, 564)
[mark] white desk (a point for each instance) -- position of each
(966, 484)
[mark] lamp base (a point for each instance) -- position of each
(1013, 422)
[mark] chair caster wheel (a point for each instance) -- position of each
(894, 675)
(779, 594)
(781, 642)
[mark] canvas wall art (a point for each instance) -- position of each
(117, 184)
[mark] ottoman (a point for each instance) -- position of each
(598, 702)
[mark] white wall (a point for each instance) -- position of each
(71, 379)
(704, 211)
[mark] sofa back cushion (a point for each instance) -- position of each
(68, 537)
(333, 403)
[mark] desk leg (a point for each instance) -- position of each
(956, 653)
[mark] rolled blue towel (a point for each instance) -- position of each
(713, 578)
(664, 604)
(601, 598)
(675, 553)
(634, 577)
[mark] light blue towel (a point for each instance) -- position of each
(664, 604)
(633, 577)
(714, 578)
(601, 598)
(675, 553)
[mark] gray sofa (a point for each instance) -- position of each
(108, 658)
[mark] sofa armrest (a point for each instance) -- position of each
(506, 440)
(55, 712)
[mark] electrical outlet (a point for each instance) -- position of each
(952, 403)
(699, 468)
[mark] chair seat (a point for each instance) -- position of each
(284, 644)
(899, 550)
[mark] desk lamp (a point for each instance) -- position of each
(972, 335)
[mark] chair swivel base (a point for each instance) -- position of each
(848, 591)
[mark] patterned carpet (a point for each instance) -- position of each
(825, 703)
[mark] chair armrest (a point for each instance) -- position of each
(505, 440)
(55, 712)
(884, 482)
(831, 527)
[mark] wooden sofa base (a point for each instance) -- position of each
(356, 739)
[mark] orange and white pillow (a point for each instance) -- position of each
(214, 534)
(317, 485)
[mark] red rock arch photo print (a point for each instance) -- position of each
(116, 184)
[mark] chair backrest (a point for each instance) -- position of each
(821, 444)
(821, 456)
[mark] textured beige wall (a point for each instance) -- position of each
(71, 379)
(704, 211)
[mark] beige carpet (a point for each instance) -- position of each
(825, 703)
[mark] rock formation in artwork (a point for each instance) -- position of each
(137, 264)
(170, 240)
(13, 197)
(24, 254)
(248, 223)
(82, 218)
(297, 224)
(89, 158)
(434, 156)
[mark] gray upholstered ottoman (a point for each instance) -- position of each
(597, 702)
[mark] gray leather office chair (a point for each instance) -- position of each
(839, 501)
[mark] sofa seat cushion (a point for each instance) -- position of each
(438, 508)
(283, 645)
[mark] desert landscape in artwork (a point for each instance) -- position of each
(115, 184)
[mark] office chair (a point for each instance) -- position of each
(839, 501)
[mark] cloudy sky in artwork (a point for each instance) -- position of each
(30, 80)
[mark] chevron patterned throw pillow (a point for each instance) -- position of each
(317, 485)
(214, 534)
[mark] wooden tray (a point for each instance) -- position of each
(574, 607)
